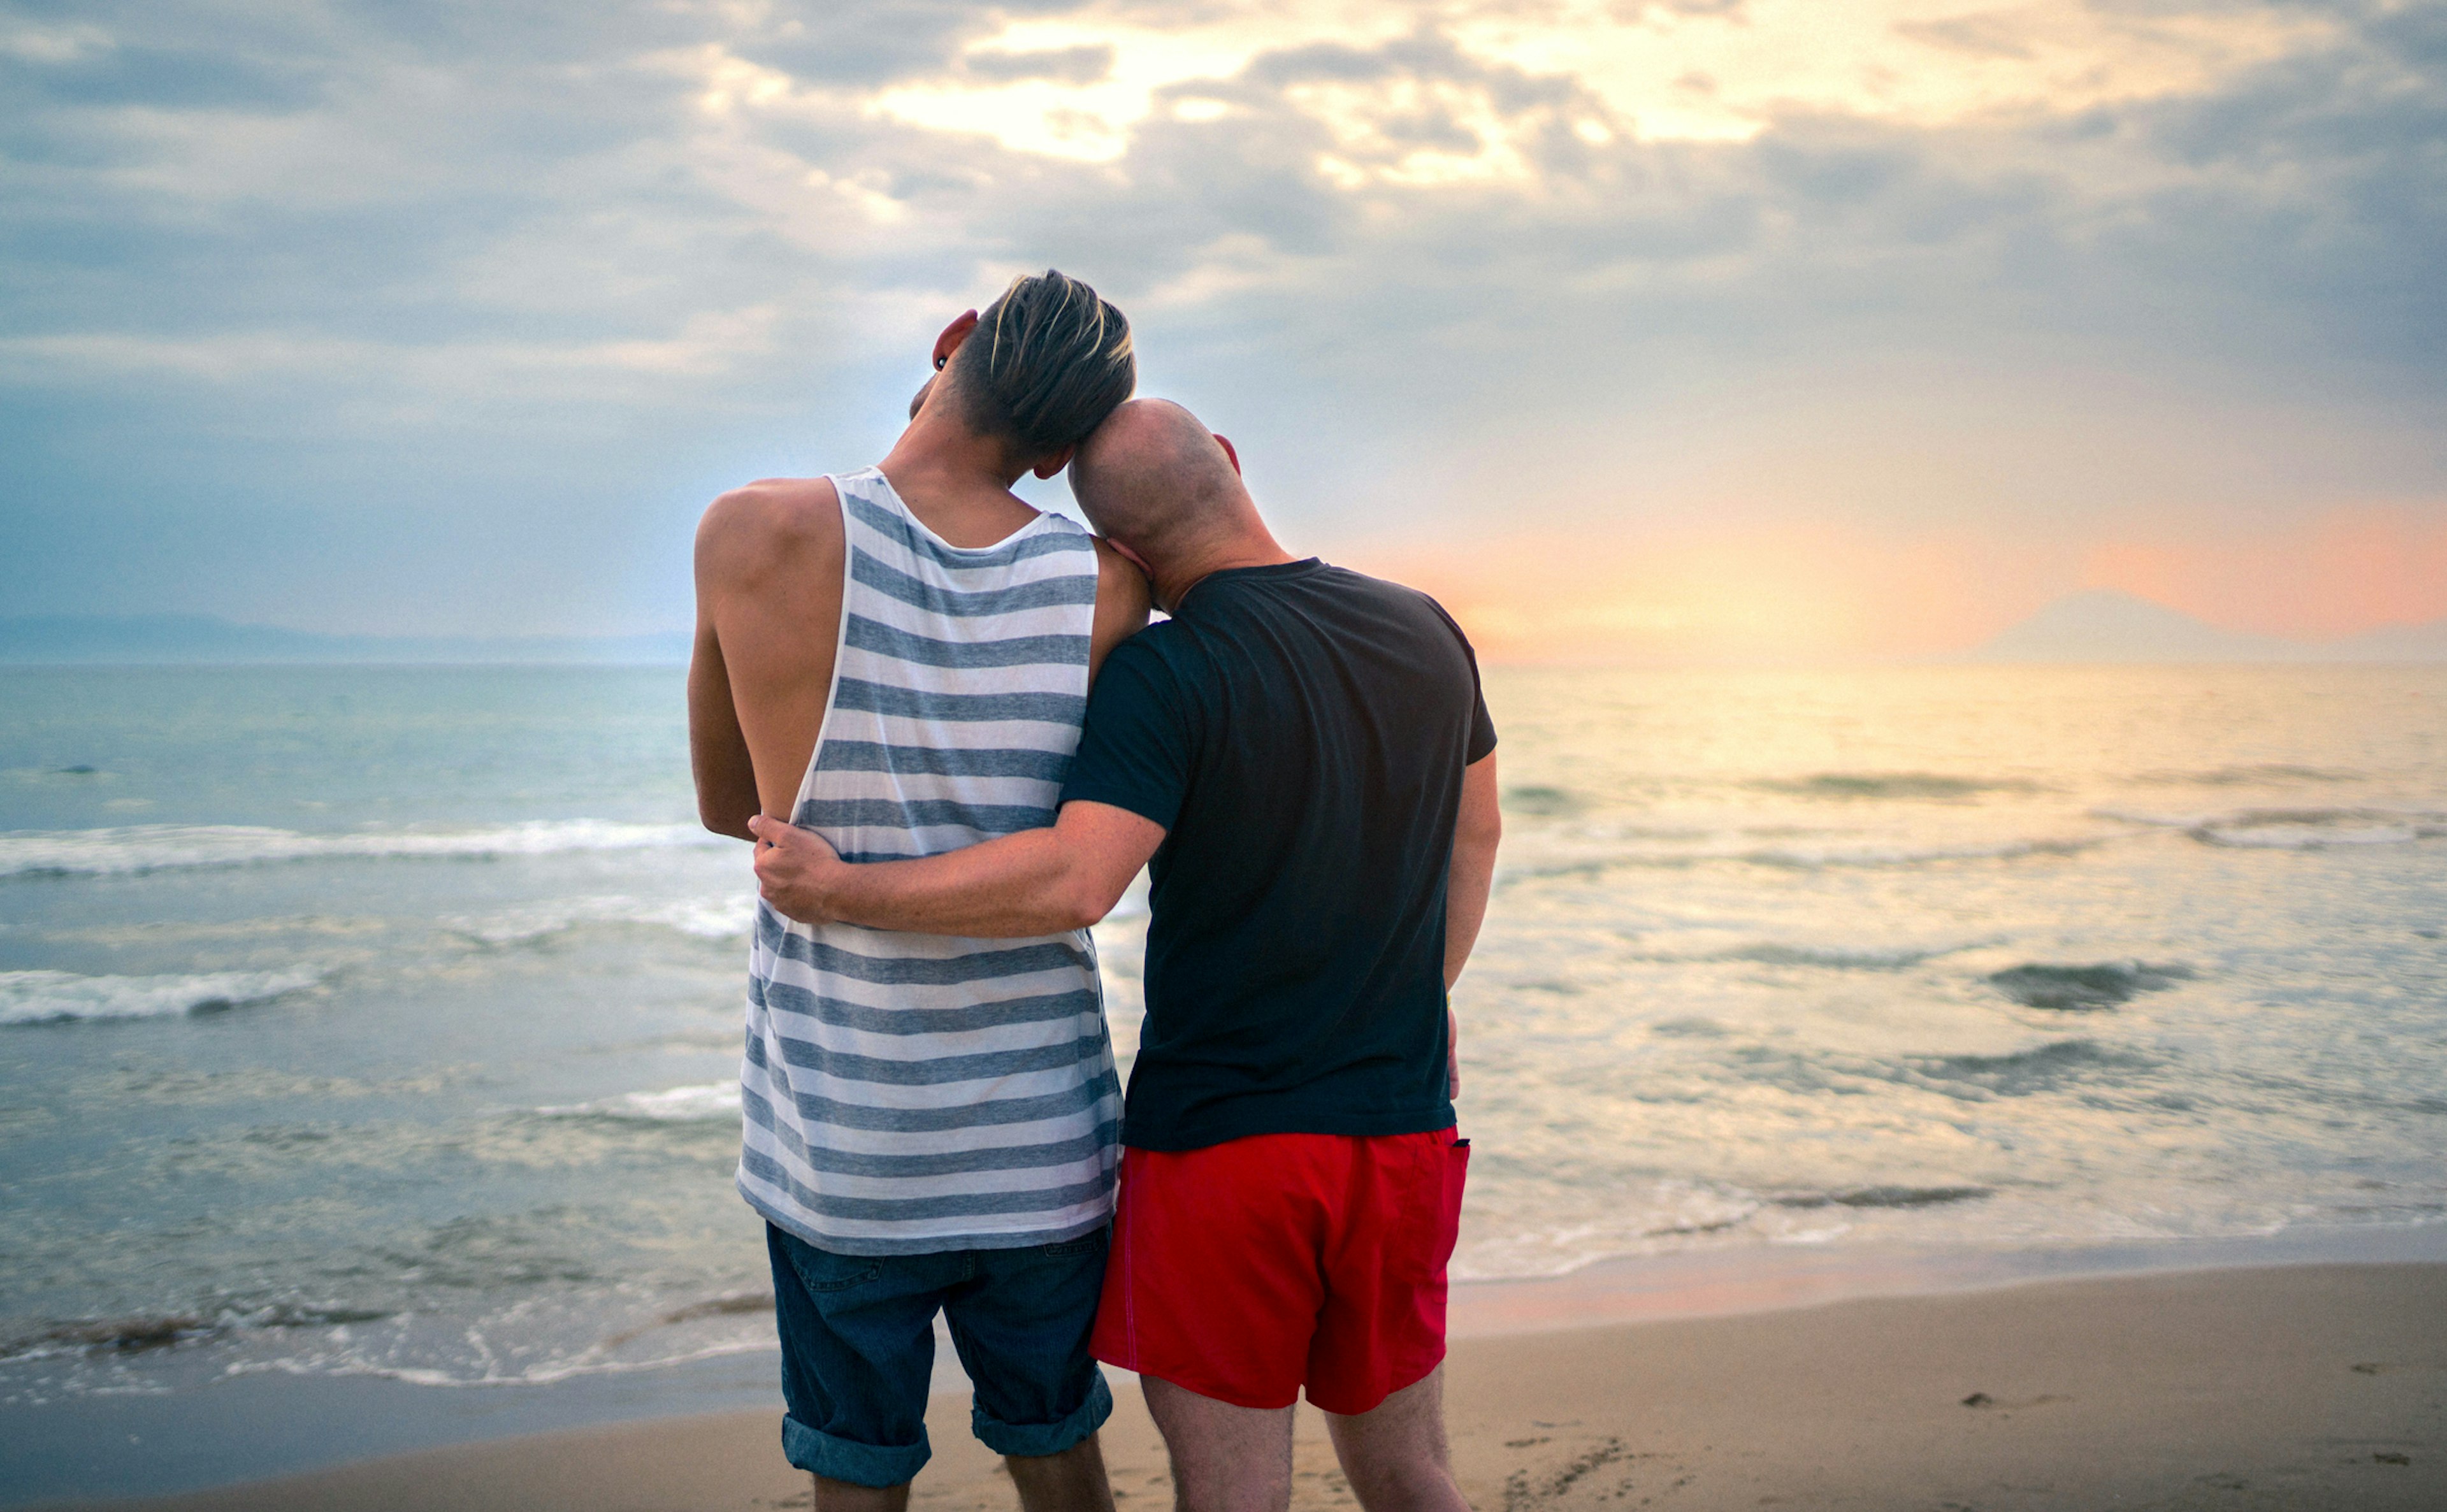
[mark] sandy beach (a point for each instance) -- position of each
(2298, 1386)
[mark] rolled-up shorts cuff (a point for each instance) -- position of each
(1033, 1440)
(871, 1465)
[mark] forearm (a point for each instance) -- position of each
(1466, 894)
(725, 795)
(724, 772)
(1478, 828)
(1039, 882)
(1014, 887)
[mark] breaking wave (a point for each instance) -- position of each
(2022, 1073)
(1799, 858)
(1812, 858)
(175, 847)
(712, 1103)
(2296, 828)
(2079, 988)
(307, 1339)
(724, 917)
(59, 997)
(2255, 774)
(144, 1333)
(1833, 957)
(1543, 803)
(1923, 786)
(1893, 1196)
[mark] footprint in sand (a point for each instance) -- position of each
(1982, 1400)
(1604, 1471)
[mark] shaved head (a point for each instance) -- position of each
(1156, 478)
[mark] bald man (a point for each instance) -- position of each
(1301, 757)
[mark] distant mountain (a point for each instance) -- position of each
(192, 639)
(2105, 625)
(2423, 643)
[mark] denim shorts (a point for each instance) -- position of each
(857, 1350)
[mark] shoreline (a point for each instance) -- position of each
(2279, 1387)
(1770, 1278)
(274, 1434)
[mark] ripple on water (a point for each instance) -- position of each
(2085, 987)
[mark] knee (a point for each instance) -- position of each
(1396, 1481)
(1389, 1476)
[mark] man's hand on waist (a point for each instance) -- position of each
(796, 869)
(1038, 882)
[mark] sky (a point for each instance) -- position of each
(1704, 330)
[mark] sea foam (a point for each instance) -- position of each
(2296, 828)
(172, 847)
(1595, 860)
(677, 1105)
(723, 916)
(1921, 786)
(58, 997)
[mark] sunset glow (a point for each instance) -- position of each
(2343, 571)
(1654, 73)
(1797, 593)
(1773, 330)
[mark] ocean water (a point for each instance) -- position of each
(384, 1021)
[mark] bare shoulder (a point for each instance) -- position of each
(772, 523)
(1122, 602)
(1118, 578)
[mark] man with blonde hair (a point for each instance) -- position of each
(898, 659)
(1301, 756)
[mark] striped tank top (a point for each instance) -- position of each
(906, 1093)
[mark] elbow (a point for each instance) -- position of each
(1069, 913)
(723, 821)
(1080, 903)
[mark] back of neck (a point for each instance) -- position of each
(957, 484)
(1254, 547)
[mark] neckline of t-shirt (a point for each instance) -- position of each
(1272, 569)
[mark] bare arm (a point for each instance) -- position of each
(1039, 882)
(768, 573)
(1476, 834)
(1476, 831)
(718, 758)
(1122, 603)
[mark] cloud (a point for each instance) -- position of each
(1075, 67)
(52, 45)
(710, 343)
(2051, 277)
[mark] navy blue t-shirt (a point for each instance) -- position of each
(1300, 731)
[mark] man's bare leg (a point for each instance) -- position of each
(1072, 1481)
(1225, 1458)
(844, 1496)
(1395, 1455)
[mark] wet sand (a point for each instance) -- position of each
(2296, 1387)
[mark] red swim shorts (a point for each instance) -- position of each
(1249, 1269)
